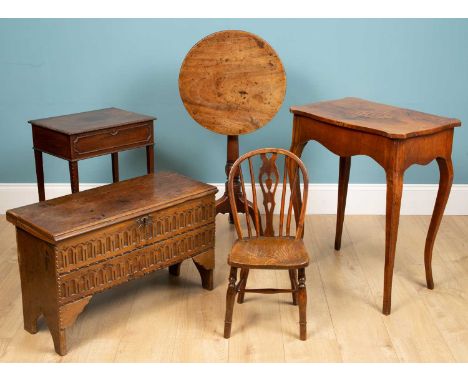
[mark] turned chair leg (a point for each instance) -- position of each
(244, 274)
(230, 298)
(293, 278)
(302, 300)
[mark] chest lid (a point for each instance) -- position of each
(71, 215)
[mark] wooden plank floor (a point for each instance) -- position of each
(162, 318)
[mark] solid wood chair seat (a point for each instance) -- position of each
(269, 253)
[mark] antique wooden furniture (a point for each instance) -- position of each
(73, 247)
(265, 248)
(85, 135)
(232, 82)
(396, 139)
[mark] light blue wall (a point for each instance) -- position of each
(53, 67)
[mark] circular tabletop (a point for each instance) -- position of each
(232, 82)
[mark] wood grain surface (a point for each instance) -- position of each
(85, 248)
(269, 253)
(161, 318)
(375, 118)
(268, 248)
(396, 139)
(91, 120)
(232, 82)
(70, 215)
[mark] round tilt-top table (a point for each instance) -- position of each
(232, 83)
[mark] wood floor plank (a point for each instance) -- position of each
(413, 333)
(7, 247)
(97, 333)
(201, 323)
(256, 334)
(321, 344)
(11, 312)
(359, 327)
(147, 336)
(447, 302)
(165, 318)
(203, 314)
(3, 346)
(256, 326)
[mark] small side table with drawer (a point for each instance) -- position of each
(85, 135)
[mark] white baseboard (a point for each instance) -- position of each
(363, 199)
(14, 195)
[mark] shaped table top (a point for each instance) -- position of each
(375, 118)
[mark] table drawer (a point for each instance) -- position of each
(122, 268)
(123, 237)
(110, 140)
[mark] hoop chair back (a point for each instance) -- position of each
(268, 178)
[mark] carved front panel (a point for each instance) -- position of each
(127, 236)
(127, 266)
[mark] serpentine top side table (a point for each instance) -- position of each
(85, 135)
(396, 139)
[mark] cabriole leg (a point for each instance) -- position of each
(445, 185)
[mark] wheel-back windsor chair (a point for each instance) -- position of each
(258, 245)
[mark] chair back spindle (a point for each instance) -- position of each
(269, 179)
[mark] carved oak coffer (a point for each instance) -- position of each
(72, 247)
